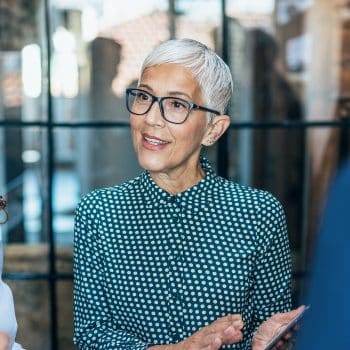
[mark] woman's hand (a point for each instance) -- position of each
(4, 341)
(268, 329)
(225, 330)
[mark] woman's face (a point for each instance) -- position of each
(163, 147)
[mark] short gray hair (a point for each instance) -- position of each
(212, 73)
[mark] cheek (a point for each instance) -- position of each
(191, 137)
(133, 123)
(134, 130)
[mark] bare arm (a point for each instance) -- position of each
(4, 341)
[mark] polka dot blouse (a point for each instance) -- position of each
(153, 268)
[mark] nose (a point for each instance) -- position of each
(154, 115)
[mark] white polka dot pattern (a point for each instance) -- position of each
(152, 268)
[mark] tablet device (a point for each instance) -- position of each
(284, 330)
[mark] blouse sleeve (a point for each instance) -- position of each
(94, 327)
(272, 275)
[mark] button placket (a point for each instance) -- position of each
(175, 270)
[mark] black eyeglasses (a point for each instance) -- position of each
(173, 109)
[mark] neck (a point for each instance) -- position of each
(175, 183)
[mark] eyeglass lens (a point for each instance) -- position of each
(174, 110)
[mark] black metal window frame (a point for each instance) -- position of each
(52, 276)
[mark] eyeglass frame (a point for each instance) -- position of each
(160, 103)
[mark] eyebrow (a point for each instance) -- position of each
(170, 93)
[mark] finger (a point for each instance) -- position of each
(216, 344)
(236, 317)
(258, 343)
(212, 342)
(287, 316)
(223, 322)
(238, 324)
(288, 335)
(296, 327)
(280, 345)
(231, 335)
(230, 318)
(209, 347)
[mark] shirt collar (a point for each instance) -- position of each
(193, 196)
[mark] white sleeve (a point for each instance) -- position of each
(8, 323)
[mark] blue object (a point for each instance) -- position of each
(326, 325)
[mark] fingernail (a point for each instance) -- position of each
(217, 342)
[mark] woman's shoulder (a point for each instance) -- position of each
(118, 192)
(243, 194)
(243, 191)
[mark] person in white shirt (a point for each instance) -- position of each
(8, 322)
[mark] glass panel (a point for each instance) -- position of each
(65, 315)
(296, 166)
(23, 181)
(22, 69)
(271, 47)
(98, 48)
(32, 311)
(87, 159)
(199, 21)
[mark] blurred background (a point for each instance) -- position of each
(64, 130)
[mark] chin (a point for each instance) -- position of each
(151, 163)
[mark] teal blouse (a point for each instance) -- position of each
(153, 268)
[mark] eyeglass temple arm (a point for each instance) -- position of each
(205, 109)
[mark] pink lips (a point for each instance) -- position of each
(153, 143)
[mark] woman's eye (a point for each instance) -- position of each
(142, 96)
(177, 104)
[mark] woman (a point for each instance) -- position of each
(178, 258)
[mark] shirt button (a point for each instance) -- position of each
(176, 337)
(177, 294)
(178, 258)
(176, 333)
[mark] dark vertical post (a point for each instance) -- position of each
(344, 140)
(171, 16)
(222, 148)
(50, 173)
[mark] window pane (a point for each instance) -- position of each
(22, 61)
(87, 159)
(280, 70)
(198, 20)
(295, 165)
(65, 315)
(23, 182)
(97, 53)
(32, 309)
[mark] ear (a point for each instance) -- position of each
(216, 128)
